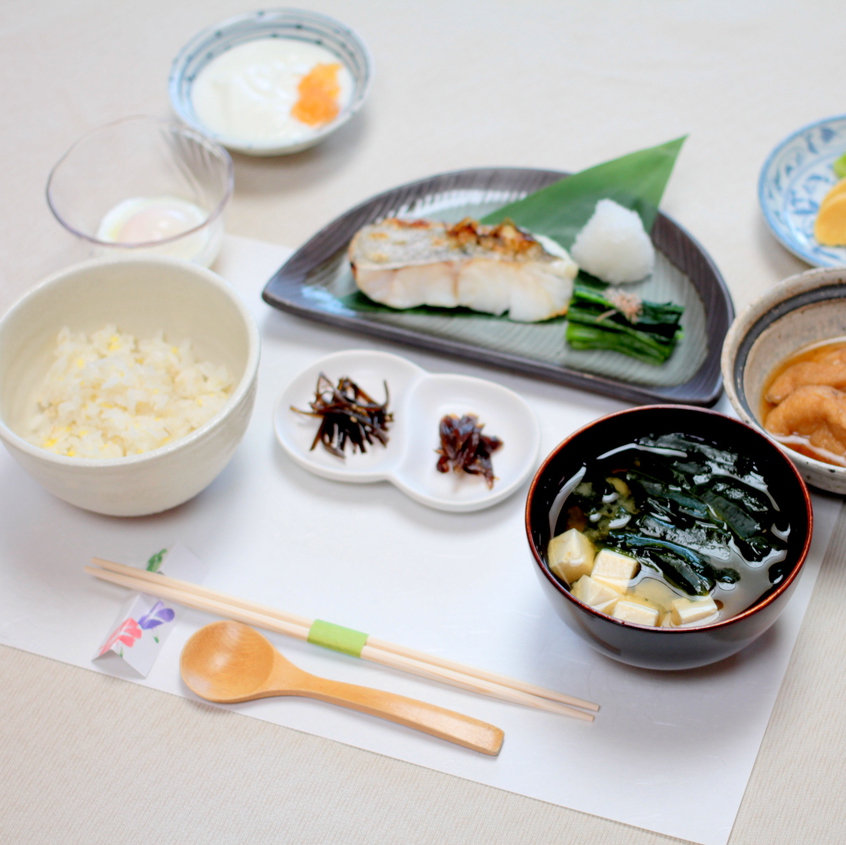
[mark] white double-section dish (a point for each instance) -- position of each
(418, 401)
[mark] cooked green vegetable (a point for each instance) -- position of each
(612, 319)
(840, 166)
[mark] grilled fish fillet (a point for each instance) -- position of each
(494, 269)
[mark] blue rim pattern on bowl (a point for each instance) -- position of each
(794, 179)
(269, 23)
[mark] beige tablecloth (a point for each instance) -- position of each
(85, 758)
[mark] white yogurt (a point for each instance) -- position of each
(247, 93)
(148, 220)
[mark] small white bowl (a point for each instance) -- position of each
(802, 310)
(141, 295)
(294, 24)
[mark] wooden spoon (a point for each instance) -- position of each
(227, 662)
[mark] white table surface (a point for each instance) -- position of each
(87, 758)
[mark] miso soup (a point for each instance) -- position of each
(669, 531)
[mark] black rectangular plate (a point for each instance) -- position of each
(315, 281)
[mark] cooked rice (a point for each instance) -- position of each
(110, 395)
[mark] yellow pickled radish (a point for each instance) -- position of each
(830, 225)
(837, 190)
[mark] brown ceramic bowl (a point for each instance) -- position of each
(802, 311)
(667, 648)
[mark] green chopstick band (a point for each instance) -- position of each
(337, 637)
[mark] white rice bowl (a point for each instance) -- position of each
(613, 245)
(109, 394)
(197, 312)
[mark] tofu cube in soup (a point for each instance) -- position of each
(639, 614)
(571, 555)
(686, 611)
(597, 595)
(613, 569)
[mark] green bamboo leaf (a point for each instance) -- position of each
(636, 181)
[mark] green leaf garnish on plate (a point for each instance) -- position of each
(840, 166)
(636, 181)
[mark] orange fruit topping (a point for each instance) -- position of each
(319, 90)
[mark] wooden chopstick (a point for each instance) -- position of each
(374, 650)
(270, 623)
(198, 602)
(372, 642)
(494, 677)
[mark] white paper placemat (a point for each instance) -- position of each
(460, 585)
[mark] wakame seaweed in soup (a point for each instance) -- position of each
(698, 520)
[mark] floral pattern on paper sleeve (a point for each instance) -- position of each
(157, 616)
(127, 632)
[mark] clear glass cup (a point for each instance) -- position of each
(144, 185)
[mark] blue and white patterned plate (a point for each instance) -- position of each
(794, 180)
